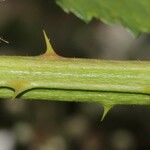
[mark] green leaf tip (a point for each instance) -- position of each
(49, 49)
(106, 110)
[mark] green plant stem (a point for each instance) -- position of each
(66, 79)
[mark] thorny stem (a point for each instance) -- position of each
(49, 77)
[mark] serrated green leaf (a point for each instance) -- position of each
(133, 14)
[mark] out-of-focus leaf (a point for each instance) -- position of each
(133, 14)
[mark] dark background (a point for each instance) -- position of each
(49, 125)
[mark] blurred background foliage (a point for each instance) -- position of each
(48, 125)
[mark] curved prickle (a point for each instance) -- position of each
(106, 110)
(49, 49)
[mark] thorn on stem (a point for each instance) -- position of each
(49, 49)
(106, 110)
